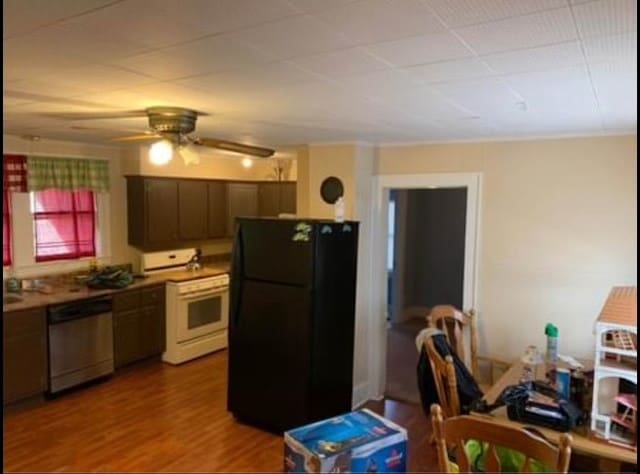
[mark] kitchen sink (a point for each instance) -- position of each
(11, 299)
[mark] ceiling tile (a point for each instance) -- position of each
(426, 102)
(342, 63)
(56, 48)
(377, 84)
(552, 26)
(468, 12)
(17, 19)
(536, 59)
(616, 86)
(138, 22)
(606, 17)
(279, 74)
(451, 70)
(483, 96)
(420, 49)
(372, 21)
(207, 55)
(297, 36)
(563, 92)
(315, 6)
(209, 17)
(622, 47)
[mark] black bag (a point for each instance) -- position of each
(468, 389)
(561, 415)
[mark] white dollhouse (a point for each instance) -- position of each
(613, 414)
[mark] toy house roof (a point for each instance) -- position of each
(621, 306)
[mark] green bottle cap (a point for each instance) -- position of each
(551, 330)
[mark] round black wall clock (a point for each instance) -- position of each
(331, 189)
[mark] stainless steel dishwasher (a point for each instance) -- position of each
(80, 342)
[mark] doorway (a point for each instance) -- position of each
(425, 267)
(386, 297)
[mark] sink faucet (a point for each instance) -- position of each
(194, 262)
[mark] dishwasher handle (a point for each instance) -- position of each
(79, 309)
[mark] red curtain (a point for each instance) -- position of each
(6, 229)
(65, 224)
(14, 173)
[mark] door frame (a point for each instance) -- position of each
(382, 185)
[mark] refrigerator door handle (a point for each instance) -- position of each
(235, 288)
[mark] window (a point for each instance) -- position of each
(391, 234)
(65, 224)
(6, 230)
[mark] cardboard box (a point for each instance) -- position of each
(360, 441)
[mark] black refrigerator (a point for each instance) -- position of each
(291, 321)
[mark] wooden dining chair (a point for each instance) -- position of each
(444, 377)
(456, 431)
(457, 326)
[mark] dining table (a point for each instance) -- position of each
(585, 442)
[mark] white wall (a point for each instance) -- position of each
(354, 165)
(558, 229)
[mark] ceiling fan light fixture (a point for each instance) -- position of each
(161, 152)
(189, 154)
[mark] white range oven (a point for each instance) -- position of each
(197, 305)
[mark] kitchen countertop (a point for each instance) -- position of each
(65, 293)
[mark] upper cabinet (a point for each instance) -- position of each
(275, 198)
(217, 209)
(243, 202)
(165, 213)
(192, 209)
(152, 217)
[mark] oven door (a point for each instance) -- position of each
(201, 313)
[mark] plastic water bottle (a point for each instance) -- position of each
(338, 209)
(551, 332)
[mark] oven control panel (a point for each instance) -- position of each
(204, 284)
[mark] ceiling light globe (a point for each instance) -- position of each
(161, 152)
(247, 162)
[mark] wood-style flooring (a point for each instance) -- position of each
(155, 417)
(402, 361)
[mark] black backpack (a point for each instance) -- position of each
(468, 389)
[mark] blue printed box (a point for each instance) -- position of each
(360, 441)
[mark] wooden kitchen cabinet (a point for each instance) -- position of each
(276, 198)
(139, 324)
(242, 202)
(192, 209)
(288, 196)
(217, 209)
(152, 216)
(24, 362)
(165, 213)
(268, 199)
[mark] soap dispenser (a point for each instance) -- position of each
(338, 209)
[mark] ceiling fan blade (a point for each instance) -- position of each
(134, 138)
(235, 147)
(96, 115)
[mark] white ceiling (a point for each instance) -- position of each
(280, 72)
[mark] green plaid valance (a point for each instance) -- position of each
(67, 173)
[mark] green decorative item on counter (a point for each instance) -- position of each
(110, 278)
(13, 285)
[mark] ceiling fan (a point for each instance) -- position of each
(170, 127)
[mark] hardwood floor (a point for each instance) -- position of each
(402, 360)
(155, 417)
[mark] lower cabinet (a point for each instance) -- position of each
(138, 324)
(24, 358)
